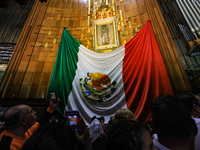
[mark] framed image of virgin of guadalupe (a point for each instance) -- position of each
(105, 33)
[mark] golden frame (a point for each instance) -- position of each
(105, 33)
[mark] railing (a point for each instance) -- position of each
(190, 10)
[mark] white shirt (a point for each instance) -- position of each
(159, 146)
(197, 137)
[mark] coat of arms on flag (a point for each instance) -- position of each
(97, 87)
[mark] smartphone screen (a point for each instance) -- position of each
(73, 118)
(53, 95)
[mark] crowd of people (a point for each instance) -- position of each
(175, 125)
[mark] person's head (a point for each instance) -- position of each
(20, 116)
(172, 121)
(94, 117)
(52, 136)
(129, 135)
(102, 120)
(192, 102)
(123, 114)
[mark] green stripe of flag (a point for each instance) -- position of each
(64, 69)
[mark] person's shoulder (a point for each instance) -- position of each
(158, 145)
(17, 143)
(32, 130)
(197, 120)
(8, 134)
(11, 141)
(2, 134)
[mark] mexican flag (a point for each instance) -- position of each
(101, 83)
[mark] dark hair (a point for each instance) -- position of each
(94, 117)
(189, 100)
(102, 118)
(125, 135)
(52, 136)
(171, 119)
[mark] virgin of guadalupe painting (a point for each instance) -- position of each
(105, 33)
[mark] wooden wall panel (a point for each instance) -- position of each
(30, 68)
(172, 61)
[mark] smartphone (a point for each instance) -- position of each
(73, 118)
(53, 96)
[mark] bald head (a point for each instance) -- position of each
(14, 115)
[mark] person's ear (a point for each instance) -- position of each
(196, 108)
(23, 121)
